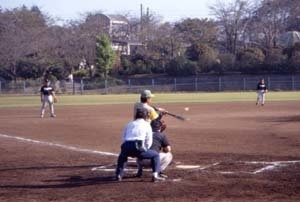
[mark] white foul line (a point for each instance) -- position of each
(72, 148)
(269, 165)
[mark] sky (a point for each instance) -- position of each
(170, 10)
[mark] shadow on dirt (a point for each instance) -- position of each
(53, 181)
(49, 167)
(70, 182)
(286, 119)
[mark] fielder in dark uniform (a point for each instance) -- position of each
(47, 97)
(162, 146)
(261, 92)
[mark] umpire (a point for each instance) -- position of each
(137, 139)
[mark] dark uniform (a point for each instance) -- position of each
(261, 91)
(160, 141)
(47, 97)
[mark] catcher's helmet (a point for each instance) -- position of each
(156, 125)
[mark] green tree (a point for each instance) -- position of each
(105, 55)
(225, 63)
(180, 66)
(250, 60)
(293, 57)
(204, 55)
(27, 69)
(275, 60)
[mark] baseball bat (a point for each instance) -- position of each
(181, 118)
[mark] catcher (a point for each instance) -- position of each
(47, 97)
(261, 92)
(162, 146)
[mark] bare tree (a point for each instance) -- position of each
(21, 31)
(197, 31)
(270, 22)
(232, 19)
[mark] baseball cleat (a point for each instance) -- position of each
(163, 175)
(139, 173)
(53, 115)
(119, 178)
(157, 179)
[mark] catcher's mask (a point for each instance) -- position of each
(156, 125)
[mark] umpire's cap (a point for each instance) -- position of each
(142, 113)
(146, 94)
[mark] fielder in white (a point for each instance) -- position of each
(47, 97)
(261, 92)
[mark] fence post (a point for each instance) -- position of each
(152, 83)
(81, 86)
(105, 83)
(175, 83)
(196, 84)
(293, 83)
(244, 81)
(73, 86)
(24, 87)
(220, 84)
(129, 84)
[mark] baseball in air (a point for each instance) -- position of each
(186, 109)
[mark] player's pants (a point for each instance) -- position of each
(260, 97)
(128, 149)
(48, 99)
(165, 160)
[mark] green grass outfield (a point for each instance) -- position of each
(76, 100)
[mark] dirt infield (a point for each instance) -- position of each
(242, 152)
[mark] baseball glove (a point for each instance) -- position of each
(163, 125)
(55, 100)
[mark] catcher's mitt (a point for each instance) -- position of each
(163, 125)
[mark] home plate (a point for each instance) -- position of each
(187, 166)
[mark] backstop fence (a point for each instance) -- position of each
(160, 84)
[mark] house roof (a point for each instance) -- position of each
(118, 18)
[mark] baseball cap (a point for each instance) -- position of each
(146, 94)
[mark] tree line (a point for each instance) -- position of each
(259, 36)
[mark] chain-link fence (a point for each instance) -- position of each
(160, 84)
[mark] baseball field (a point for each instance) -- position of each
(228, 149)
